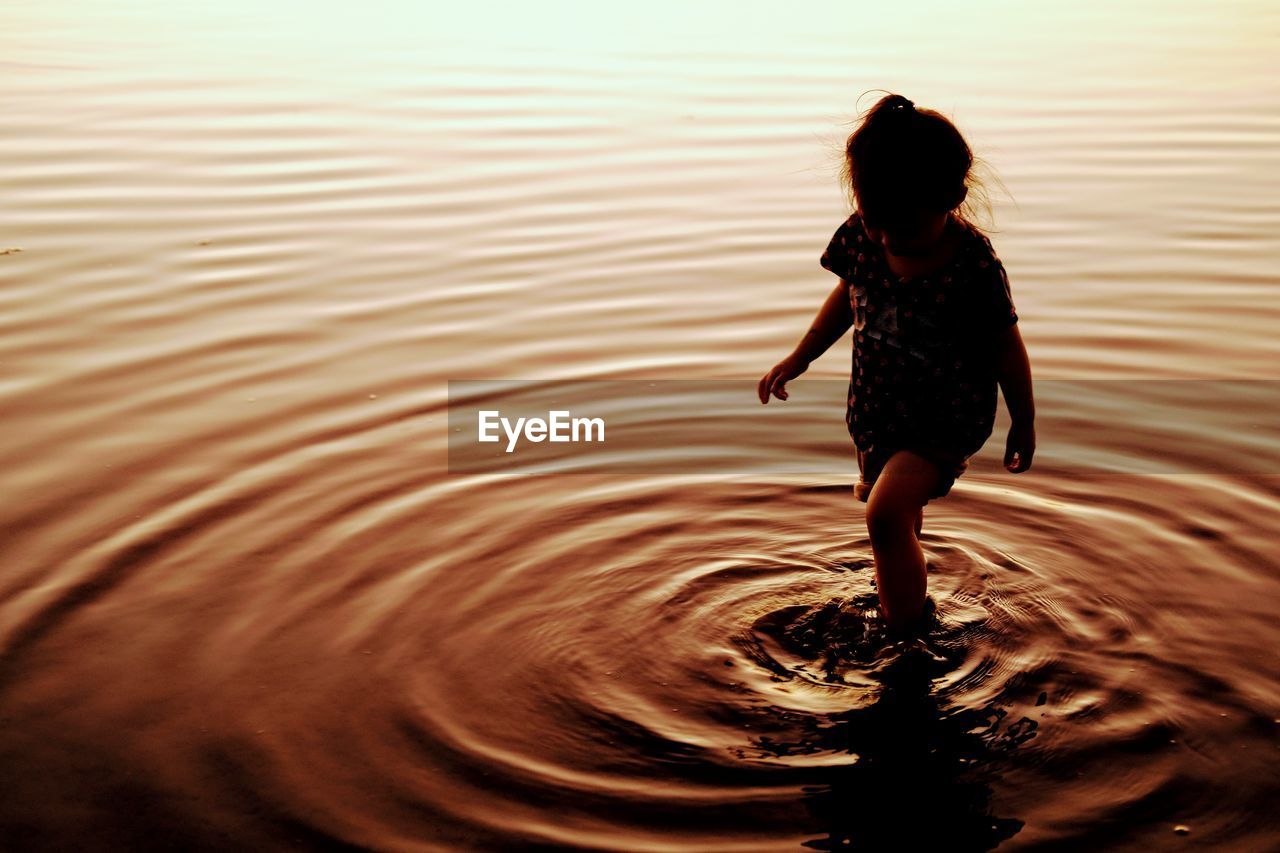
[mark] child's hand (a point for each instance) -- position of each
(1022, 444)
(775, 381)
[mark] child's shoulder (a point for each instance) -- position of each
(851, 227)
(845, 246)
(977, 250)
(978, 237)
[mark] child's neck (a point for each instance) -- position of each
(938, 257)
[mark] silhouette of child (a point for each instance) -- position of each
(935, 333)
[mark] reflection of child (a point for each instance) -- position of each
(935, 332)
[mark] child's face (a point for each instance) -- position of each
(906, 234)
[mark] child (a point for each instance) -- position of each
(935, 332)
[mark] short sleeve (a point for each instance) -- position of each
(995, 299)
(838, 256)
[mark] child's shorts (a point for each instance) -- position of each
(872, 461)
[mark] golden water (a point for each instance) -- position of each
(245, 605)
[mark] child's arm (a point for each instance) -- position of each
(1013, 370)
(833, 319)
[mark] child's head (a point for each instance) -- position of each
(907, 169)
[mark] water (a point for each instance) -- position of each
(245, 605)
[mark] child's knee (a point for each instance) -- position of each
(890, 520)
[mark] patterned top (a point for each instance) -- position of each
(924, 368)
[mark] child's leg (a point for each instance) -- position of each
(895, 512)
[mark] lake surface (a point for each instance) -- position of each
(247, 604)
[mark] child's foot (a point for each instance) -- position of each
(914, 628)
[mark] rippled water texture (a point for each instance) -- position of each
(245, 605)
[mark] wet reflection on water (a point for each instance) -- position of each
(918, 770)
